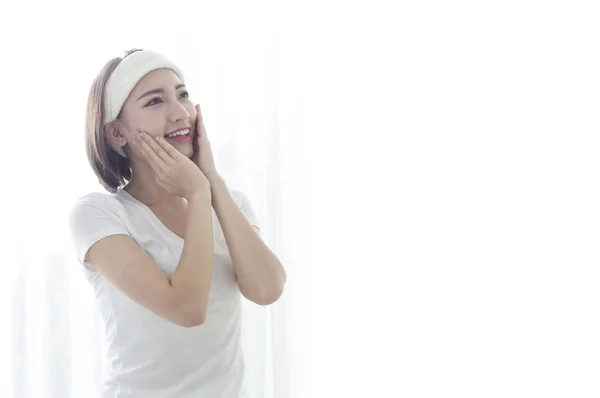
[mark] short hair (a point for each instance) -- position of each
(113, 170)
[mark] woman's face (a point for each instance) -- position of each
(159, 105)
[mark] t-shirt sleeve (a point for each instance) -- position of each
(91, 219)
(246, 207)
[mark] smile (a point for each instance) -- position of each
(180, 133)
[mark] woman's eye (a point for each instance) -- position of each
(153, 101)
(157, 100)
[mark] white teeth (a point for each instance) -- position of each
(181, 132)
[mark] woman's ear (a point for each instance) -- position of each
(115, 132)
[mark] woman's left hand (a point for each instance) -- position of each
(203, 156)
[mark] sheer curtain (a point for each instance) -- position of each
(53, 346)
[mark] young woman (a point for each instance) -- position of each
(169, 248)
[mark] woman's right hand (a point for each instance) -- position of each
(173, 171)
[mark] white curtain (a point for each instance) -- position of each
(51, 342)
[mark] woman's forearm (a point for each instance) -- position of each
(259, 273)
(192, 278)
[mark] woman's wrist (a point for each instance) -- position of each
(217, 186)
(215, 180)
(200, 195)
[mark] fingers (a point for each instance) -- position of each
(198, 116)
(155, 162)
(144, 149)
(168, 148)
(154, 151)
(200, 131)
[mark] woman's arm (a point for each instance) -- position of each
(193, 276)
(260, 275)
(259, 272)
(184, 298)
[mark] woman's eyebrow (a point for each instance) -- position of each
(158, 91)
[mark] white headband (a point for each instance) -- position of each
(124, 78)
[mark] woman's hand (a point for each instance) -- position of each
(172, 170)
(203, 156)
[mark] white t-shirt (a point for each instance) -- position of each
(148, 356)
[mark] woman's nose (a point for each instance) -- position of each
(178, 112)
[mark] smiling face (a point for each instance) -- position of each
(158, 105)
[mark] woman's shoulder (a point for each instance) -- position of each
(97, 198)
(98, 202)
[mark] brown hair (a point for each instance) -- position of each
(113, 170)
